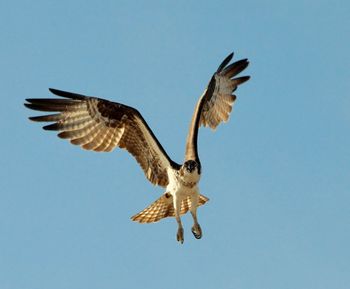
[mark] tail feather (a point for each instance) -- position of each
(163, 207)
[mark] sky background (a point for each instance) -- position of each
(277, 175)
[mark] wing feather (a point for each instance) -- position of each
(220, 98)
(101, 125)
(215, 104)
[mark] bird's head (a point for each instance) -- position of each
(191, 166)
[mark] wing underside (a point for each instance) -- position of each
(101, 125)
(216, 102)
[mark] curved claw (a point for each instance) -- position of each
(197, 231)
(180, 235)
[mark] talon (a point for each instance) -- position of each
(180, 235)
(197, 231)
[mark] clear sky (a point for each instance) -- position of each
(277, 175)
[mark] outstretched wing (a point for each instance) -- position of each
(101, 125)
(215, 104)
(218, 97)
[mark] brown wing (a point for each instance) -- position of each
(101, 125)
(219, 98)
(215, 104)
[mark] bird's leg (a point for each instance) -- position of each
(180, 230)
(196, 229)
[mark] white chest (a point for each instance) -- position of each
(182, 185)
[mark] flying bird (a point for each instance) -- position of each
(101, 125)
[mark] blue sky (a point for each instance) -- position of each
(277, 175)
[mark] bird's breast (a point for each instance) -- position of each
(183, 185)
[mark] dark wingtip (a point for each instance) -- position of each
(28, 103)
(225, 62)
(30, 106)
(32, 100)
(67, 94)
(235, 68)
(53, 126)
(54, 90)
(241, 79)
(33, 118)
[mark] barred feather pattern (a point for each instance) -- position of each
(101, 125)
(218, 98)
(163, 207)
(216, 102)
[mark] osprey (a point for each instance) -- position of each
(101, 125)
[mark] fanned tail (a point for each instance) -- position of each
(163, 207)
